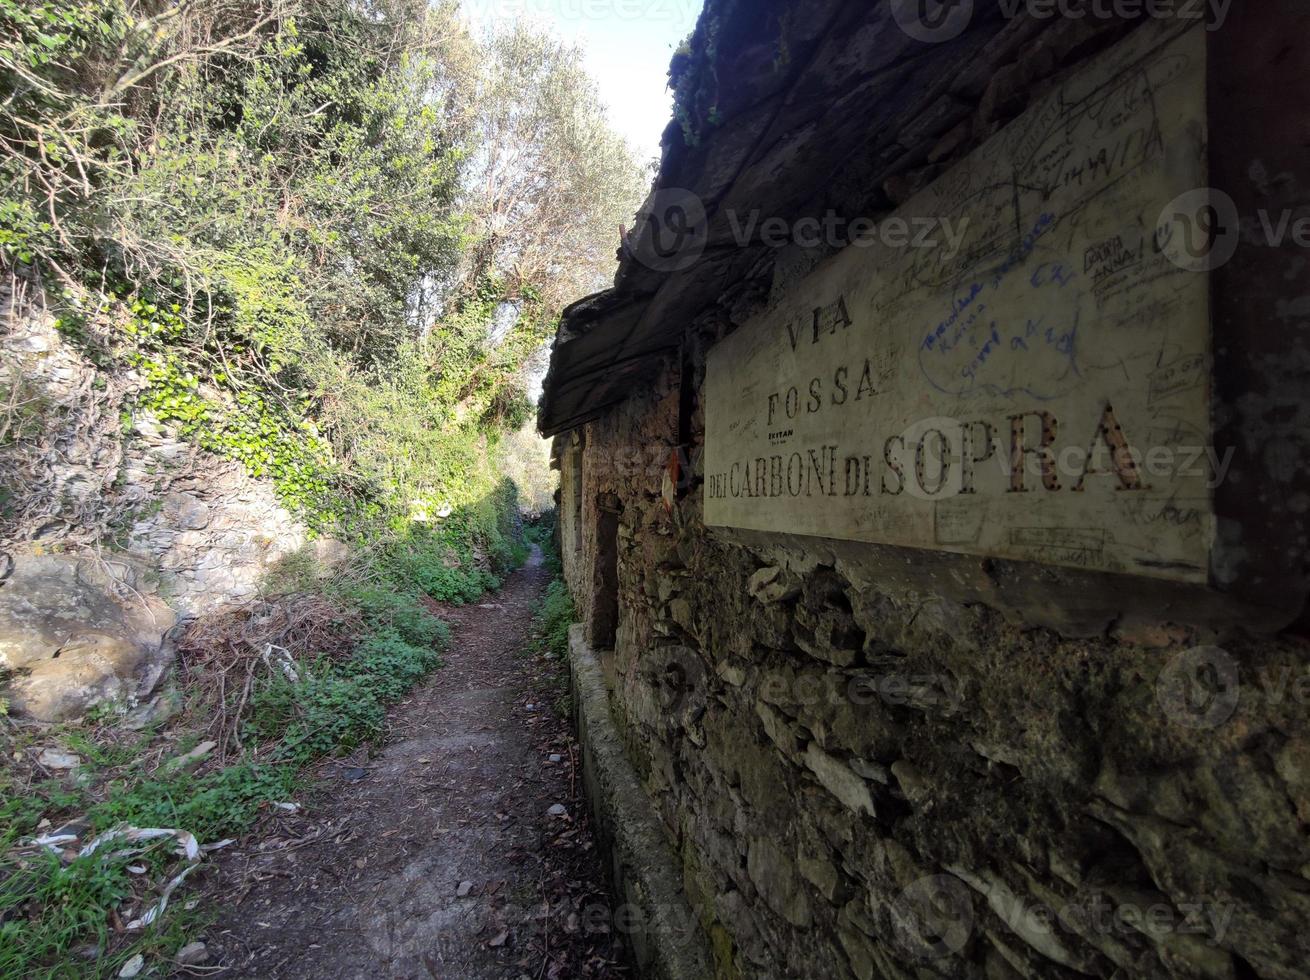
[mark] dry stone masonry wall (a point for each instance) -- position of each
(872, 761)
(114, 530)
(865, 777)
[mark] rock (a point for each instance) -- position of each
(774, 874)
(1013, 909)
(871, 770)
(773, 584)
(731, 674)
(781, 732)
(89, 669)
(56, 759)
(133, 967)
(155, 712)
(824, 876)
(680, 611)
(1293, 766)
(104, 574)
(1006, 94)
(48, 599)
(187, 511)
(915, 787)
(192, 954)
(77, 632)
(830, 635)
(558, 810)
(464, 888)
(839, 780)
(951, 141)
(859, 951)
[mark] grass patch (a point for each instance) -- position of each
(71, 936)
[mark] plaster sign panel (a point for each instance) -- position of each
(1042, 391)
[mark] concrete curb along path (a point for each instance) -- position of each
(670, 944)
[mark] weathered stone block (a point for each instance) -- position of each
(774, 874)
(774, 584)
(839, 779)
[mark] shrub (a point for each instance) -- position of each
(386, 666)
(316, 716)
(384, 610)
(554, 617)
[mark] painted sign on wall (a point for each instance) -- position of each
(1036, 386)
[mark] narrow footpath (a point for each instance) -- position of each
(460, 850)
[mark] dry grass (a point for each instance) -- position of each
(222, 654)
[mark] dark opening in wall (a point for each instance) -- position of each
(605, 609)
(575, 496)
(686, 409)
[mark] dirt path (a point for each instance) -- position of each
(439, 857)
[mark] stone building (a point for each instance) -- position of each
(934, 497)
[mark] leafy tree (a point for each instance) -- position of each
(323, 236)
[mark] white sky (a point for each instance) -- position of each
(627, 46)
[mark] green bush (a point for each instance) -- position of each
(386, 666)
(336, 706)
(317, 715)
(384, 609)
(458, 584)
(554, 617)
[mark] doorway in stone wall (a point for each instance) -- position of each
(575, 498)
(605, 608)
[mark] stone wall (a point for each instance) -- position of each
(113, 528)
(878, 762)
(867, 773)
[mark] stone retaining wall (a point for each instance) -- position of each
(879, 762)
(112, 531)
(867, 776)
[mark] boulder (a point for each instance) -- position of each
(74, 631)
(89, 669)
